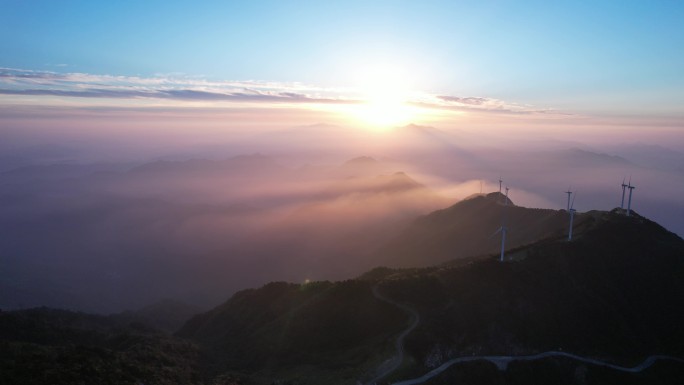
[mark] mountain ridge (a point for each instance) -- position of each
(466, 228)
(482, 306)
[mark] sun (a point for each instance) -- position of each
(385, 93)
(383, 111)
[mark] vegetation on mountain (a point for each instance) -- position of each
(48, 346)
(611, 293)
(318, 332)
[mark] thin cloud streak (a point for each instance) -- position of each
(177, 87)
(17, 79)
(491, 108)
(183, 94)
(468, 100)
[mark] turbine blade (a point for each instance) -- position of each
(572, 204)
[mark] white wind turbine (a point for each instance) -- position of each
(503, 229)
(629, 202)
(622, 202)
(571, 211)
(569, 193)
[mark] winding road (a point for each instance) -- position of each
(501, 362)
(396, 361)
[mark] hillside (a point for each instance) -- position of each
(466, 228)
(167, 315)
(612, 294)
(49, 346)
(318, 332)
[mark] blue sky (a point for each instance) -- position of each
(599, 56)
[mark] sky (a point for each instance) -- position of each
(601, 58)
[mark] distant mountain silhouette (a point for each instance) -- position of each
(56, 171)
(361, 166)
(167, 315)
(334, 234)
(652, 156)
(384, 183)
(361, 161)
(576, 157)
(558, 159)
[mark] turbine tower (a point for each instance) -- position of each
(503, 229)
(571, 211)
(629, 202)
(500, 185)
(569, 193)
(622, 202)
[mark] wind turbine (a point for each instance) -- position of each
(569, 193)
(503, 229)
(500, 185)
(622, 202)
(571, 211)
(629, 202)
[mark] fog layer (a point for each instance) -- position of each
(103, 226)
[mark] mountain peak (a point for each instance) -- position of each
(499, 198)
(413, 126)
(361, 160)
(495, 197)
(399, 181)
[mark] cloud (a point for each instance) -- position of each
(9, 73)
(92, 93)
(180, 87)
(173, 87)
(480, 104)
(477, 101)
(184, 94)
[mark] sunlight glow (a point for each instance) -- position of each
(386, 90)
(383, 113)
